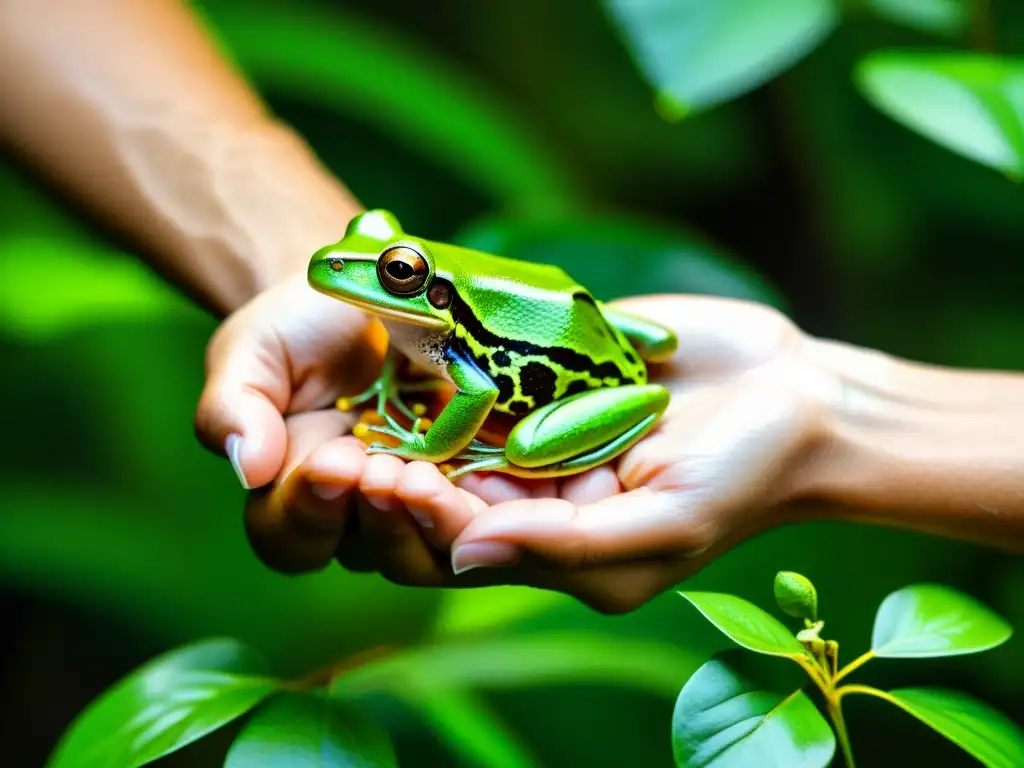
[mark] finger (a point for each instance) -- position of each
(496, 488)
(636, 525)
(400, 550)
(715, 335)
(295, 526)
(240, 410)
(588, 487)
(440, 509)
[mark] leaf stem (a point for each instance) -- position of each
(835, 711)
(814, 672)
(855, 664)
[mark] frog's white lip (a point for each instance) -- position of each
(426, 321)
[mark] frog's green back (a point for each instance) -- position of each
(533, 328)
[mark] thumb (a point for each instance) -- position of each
(240, 412)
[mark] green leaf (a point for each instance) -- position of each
(940, 17)
(731, 716)
(474, 733)
(336, 59)
(985, 733)
(746, 624)
(796, 595)
(170, 702)
(310, 730)
(82, 284)
(969, 103)
(634, 255)
(477, 610)
(527, 660)
(925, 620)
(697, 54)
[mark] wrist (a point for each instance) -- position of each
(917, 446)
(283, 205)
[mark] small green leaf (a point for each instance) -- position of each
(475, 610)
(746, 624)
(310, 730)
(728, 715)
(970, 103)
(474, 733)
(925, 620)
(940, 17)
(796, 595)
(527, 660)
(697, 54)
(170, 702)
(985, 733)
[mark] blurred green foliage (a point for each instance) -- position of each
(534, 128)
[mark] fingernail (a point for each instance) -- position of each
(483, 554)
(382, 504)
(421, 517)
(233, 448)
(326, 492)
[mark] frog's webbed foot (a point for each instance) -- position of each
(479, 457)
(411, 444)
(387, 389)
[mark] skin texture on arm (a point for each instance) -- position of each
(130, 108)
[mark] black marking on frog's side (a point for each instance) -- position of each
(482, 361)
(567, 358)
(537, 381)
(519, 407)
(575, 387)
(501, 359)
(506, 387)
(631, 357)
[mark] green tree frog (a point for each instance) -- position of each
(514, 337)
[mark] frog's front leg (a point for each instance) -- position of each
(655, 343)
(456, 425)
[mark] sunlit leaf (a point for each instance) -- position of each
(696, 54)
(729, 716)
(170, 702)
(476, 610)
(970, 103)
(746, 624)
(985, 733)
(527, 660)
(337, 59)
(796, 595)
(310, 730)
(925, 620)
(471, 730)
(617, 255)
(49, 286)
(940, 17)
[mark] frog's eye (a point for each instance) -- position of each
(402, 270)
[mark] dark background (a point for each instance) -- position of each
(120, 536)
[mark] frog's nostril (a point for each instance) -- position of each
(336, 264)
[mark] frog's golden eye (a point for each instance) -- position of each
(336, 264)
(402, 270)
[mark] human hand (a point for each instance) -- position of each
(731, 458)
(274, 370)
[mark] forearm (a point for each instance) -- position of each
(128, 107)
(922, 447)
